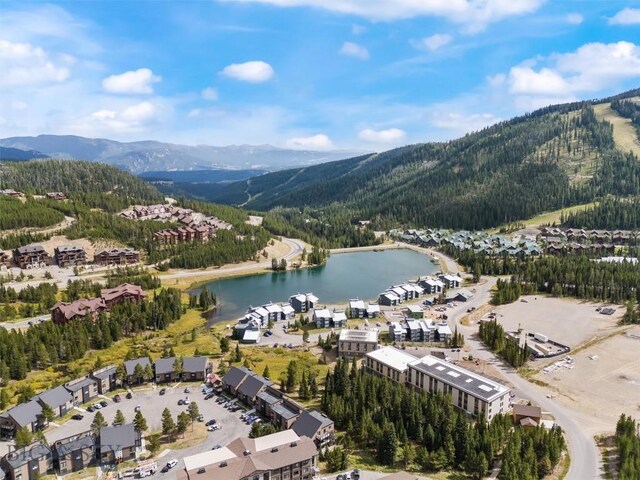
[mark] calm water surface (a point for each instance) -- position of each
(360, 275)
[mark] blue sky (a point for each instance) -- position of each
(312, 74)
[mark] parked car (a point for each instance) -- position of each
(97, 406)
(209, 395)
(216, 447)
(356, 474)
(211, 422)
(213, 427)
(187, 390)
(137, 408)
(90, 409)
(129, 395)
(77, 416)
(200, 418)
(186, 401)
(181, 402)
(117, 398)
(169, 465)
(104, 403)
(163, 391)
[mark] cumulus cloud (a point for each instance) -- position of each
(590, 68)
(389, 136)
(351, 49)
(574, 18)
(473, 14)
(462, 122)
(210, 94)
(434, 42)
(253, 72)
(134, 81)
(319, 141)
(23, 64)
(131, 117)
(627, 16)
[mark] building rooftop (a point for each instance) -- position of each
(55, 397)
(118, 437)
(235, 376)
(130, 365)
(527, 411)
(78, 384)
(18, 458)
(253, 384)
(466, 380)
(25, 413)
(71, 444)
(194, 364)
(392, 357)
(109, 294)
(164, 365)
(285, 411)
(358, 335)
(309, 422)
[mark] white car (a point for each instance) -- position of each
(187, 401)
(97, 406)
(213, 427)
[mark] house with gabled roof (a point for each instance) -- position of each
(25, 415)
(234, 378)
(28, 463)
(130, 369)
(118, 444)
(317, 426)
(73, 454)
(83, 389)
(250, 387)
(59, 399)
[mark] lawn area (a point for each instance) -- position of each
(550, 217)
(177, 336)
(194, 435)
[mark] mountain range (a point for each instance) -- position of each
(552, 158)
(145, 156)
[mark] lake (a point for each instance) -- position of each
(360, 275)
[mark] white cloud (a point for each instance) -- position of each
(627, 16)
(434, 42)
(23, 64)
(131, 117)
(351, 49)
(591, 68)
(134, 81)
(358, 29)
(461, 122)
(574, 18)
(252, 72)
(389, 136)
(319, 141)
(210, 94)
(473, 14)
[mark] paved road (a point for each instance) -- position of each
(26, 322)
(585, 456)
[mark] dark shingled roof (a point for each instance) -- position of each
(23, 456)
(130, 365)
(25, 413)
(102, 374)
(194, 364)
(55, 397)
(116, 438)
(235, 376)
(164, 365)
(308, 423)
(85, 382)
(70, 445)
(253, 384)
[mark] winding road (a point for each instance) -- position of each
(584, 454)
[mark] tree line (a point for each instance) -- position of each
(628, 448)
(493, 336)
(48, 344)
(15, 214)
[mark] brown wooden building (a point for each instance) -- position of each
(122, 293)
(118, 256)
(70, 256)
(63, 312)
(31, 256)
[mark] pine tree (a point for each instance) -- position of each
(119, 419)
(168, 425)
(266, 373)
(139, 422)
(387, 446)
(98, 422)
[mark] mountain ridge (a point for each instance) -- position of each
(553, 157)
(150, 155)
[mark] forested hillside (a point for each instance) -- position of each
(75, 177)
(549, 159)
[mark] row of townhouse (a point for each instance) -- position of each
(63, 398)
(303, 302)
(168, 369)
(398, 294)
(615, 237)
(421, 331)
(260, 394)
(360, 309)
(283, 455)
(63, 312)
(325, 318)
(468, 391)
(108, 446)
(35, 256)
(169, 213)
(60, 399)
(172, 236)
(247, 330)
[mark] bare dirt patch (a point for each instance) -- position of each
(570, 322)
(604, 380)
(624, 133)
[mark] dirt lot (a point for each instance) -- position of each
(604, 381)
(570, 322)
